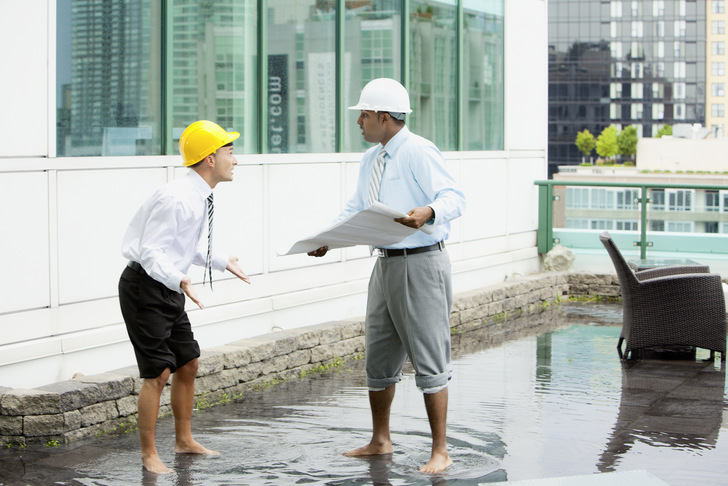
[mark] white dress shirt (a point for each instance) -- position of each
(414, 176)
(168, 233)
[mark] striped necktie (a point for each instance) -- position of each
(376, 180)
(208, 260)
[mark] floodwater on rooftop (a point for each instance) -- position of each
(548, 402)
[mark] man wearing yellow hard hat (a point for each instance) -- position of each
(171, 231)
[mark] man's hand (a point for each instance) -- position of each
(189, 290)
(319, 253)
(235, 269)
(417, 217)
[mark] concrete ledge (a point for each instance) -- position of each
(106, 403)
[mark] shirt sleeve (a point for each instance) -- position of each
(448, 201)
(159, 233)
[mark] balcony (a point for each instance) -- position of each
(646, 219)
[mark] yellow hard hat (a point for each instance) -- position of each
(201, 139)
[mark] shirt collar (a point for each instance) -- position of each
(395, 142)
(199, 183)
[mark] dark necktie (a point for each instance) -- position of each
(208, 260)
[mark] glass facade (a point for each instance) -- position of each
(213, 66)
(109, 97)
(622, 63)
(131, 74)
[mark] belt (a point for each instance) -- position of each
(134, 266)
(383, 252)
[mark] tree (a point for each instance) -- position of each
(585, 142)
(607, 142)
(627, 142)
(664, 130)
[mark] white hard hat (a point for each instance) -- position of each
(383, 94)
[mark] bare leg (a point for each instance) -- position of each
(381, 443)
(183, 397)
(148, 405)
(436, 405)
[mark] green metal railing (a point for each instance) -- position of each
(546, 198)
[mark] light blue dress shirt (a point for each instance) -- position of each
(414, 175)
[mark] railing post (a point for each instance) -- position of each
(545, 236)
(644, 200)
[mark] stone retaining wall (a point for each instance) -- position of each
(93, 405)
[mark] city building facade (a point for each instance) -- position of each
(627, 63)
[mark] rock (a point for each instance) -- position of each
(559, 259)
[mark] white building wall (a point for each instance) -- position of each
(681, 155)
(63, 219)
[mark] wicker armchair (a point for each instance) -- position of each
(669, 306)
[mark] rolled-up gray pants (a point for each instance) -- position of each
(408, 314)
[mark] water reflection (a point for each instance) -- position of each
(667, 404)
(551, 401)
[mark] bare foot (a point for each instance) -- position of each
(194, 448)
(438, 463)
(154, 464)
(371, 450)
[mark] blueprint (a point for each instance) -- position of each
(373, 226)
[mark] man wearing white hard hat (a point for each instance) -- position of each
(410, 292)
(171, 231)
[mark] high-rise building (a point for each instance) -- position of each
(622, 63)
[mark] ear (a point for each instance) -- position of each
(210, 160)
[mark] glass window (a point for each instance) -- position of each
(302, 72)
(717, 68)
(483, 77)
(637, 28)
(680, 226)
(637, 91)
(616, 8)
(122, 89)
(718, 48)
(717, 6)
(108, 74)
(718, 26)
(658, 111)
(657, 197)
(717, 109)
(577, 197)
(373, 50)
(679, 199)
(602, 224)
(678, 91)
(626, 199)
(718, 89)
(636, 110)
(627, 225)
(679, 29)
(712, 201)
(679, 111)
(433, 72)
(657, 225)
(577, 223)
(602, 198)
(214, 72)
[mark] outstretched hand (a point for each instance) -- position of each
(417, 217)
(189, 290)
(235, 269)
